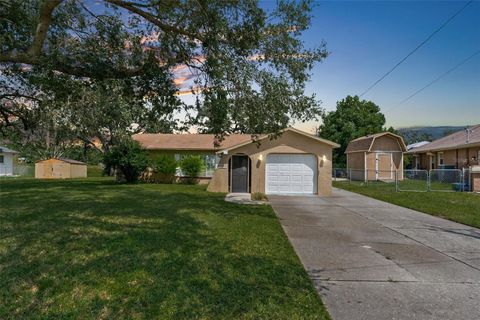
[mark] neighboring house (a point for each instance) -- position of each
(6, 161)
(455, 151)
(376, 157)
(60, 168)
(294, 163)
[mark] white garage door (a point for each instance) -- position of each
(291, 174)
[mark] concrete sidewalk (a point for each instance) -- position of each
(373, 260)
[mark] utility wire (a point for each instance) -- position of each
(435, 80)
(416, 48)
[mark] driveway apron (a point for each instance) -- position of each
(370, 259)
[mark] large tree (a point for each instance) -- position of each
(247, 64)
(353, 118)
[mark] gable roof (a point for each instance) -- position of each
(455, 140)
(203, 142)
(7, 150)
(65, 160)
(365, 143)
(265, 136)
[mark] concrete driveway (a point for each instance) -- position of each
(373, 260)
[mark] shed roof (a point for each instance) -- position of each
(365, 143)
(7, 150)
(204, 142)
(459, 139)
(71, 161)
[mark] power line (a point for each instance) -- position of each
(435, 80)
(416, 48)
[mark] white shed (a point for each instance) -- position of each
(6, 161)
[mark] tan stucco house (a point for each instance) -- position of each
(455, 151)
(376, 157)
(294, 162)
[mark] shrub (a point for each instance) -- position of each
(191, 167)
(166, 168)
(258, 196)
(129, 158)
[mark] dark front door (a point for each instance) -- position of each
(239, 174)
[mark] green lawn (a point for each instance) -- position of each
(461, 207)
(93, 249)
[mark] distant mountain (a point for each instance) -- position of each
(423, 132)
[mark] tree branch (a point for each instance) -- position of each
(35, 50)
(44, 21)
(148, 16)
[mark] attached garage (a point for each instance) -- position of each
(376, 157)
(294, 162)
(291, 174)
(60, 168)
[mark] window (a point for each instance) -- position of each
(417, 162)
(210, 160)
(1, 158)
(440, 159)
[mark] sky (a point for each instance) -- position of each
(367, 38)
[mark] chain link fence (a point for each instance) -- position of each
(413, 180)
(436, 180)
(445, 180)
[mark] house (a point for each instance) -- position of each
(6, 161)
(181, 145)
(455, 151)
(294, 162)
(376, 157)
(60, 168)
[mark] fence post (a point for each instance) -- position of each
(396, 180)
(428, 180)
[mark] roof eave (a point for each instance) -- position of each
(263, 137)
(462, 146)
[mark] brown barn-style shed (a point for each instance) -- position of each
(376, 157)
(60, 168)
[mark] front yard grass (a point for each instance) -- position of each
(460, 207)
(93, 249)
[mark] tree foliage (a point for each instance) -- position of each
(128, 158)
(353, 118)
(108, 66)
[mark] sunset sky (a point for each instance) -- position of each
(367, 38)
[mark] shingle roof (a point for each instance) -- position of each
(452, 141)
(313, 137)
(65, 160)
(205, 142)
(71, 161)
(365, 143)
(6, 150)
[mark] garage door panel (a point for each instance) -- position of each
(273, 167)
(297, 178)
(291, 174)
